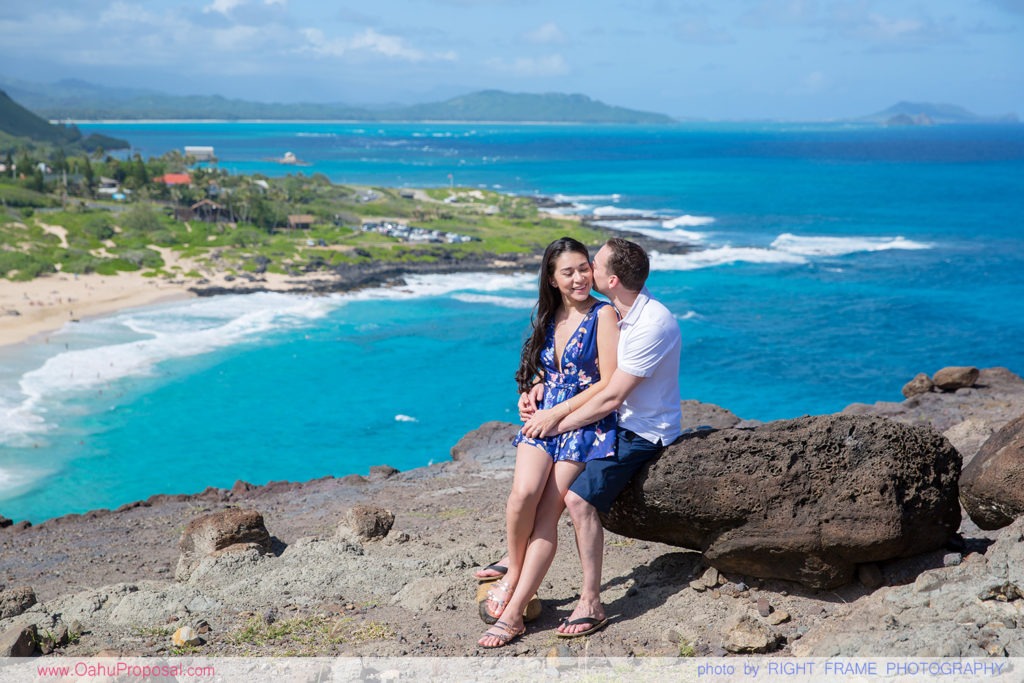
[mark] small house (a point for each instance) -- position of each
(174, 179)
(301, 222)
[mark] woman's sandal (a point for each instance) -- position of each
(498, 596)
(507, 634)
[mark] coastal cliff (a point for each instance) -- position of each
(381, 565)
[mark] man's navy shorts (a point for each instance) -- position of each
(602, 480)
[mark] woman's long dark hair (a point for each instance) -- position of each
(548, 301)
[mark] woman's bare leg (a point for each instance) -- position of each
(543, 542)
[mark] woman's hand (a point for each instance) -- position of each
(543, 423)
(528, 401)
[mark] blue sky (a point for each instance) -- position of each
(789, 59)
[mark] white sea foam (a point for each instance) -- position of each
(502, 301)
(719, 256)
(16, 480)
(620, 211)
(137, 341)
(405, 418)
(840, 246)
(688, 221)
(587, 197)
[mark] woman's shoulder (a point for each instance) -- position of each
(605, 310)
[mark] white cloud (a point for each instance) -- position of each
(369, 41)
(551, 65)
(546, 34)
(223, 6)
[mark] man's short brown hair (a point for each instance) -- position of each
(628, 261)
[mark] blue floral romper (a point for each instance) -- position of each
(579, 371)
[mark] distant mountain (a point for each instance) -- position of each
(925, 113)
(75, 99)
(495, 105)
(17, 121)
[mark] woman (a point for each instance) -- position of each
(572, 351)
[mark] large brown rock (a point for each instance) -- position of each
(992, 483)
(956, 377)
(219, 531)
(805, 499)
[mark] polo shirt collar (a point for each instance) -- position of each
(634, 312)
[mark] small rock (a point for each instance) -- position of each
(673, 636)
(382, 471)
(186, 635)
(368, 522)
(203, 626)
(19, 641)
(952, 559)
(747, 635)
(778, 617)
(1005, 592)
(710, 578)
(921, 384)
(15, 601)
(926, 582)
(763, 608)
(698, 586)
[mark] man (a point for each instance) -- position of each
(644, 389)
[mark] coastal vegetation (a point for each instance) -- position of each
(168, 217)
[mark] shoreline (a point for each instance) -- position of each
(30, 310)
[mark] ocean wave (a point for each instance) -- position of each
(175, 331)
(841, 246)
(687, 221)
(15, 481)
(720, 256)
(502, 301)
(405, 418)
(574, 198)
(620, 211)
(316, 135)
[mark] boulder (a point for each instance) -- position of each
(921, 384)
(805, 500)
(368, 522)
(14, 601)
(489, 446)
(992, 484)
(217, 532)
(955, 377)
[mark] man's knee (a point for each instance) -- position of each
(580, 510)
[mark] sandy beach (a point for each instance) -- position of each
(46, 304)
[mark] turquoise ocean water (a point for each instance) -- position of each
(833, 263)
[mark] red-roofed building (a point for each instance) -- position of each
(174, 179)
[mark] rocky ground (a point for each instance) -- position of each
(105, 582)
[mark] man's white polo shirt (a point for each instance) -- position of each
(649, 347)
